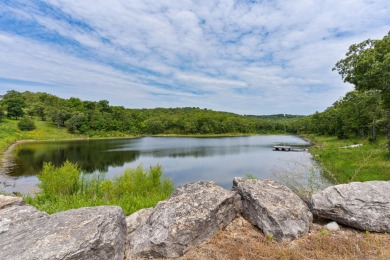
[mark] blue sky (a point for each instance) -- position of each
(246, 57)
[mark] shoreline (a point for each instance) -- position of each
(6, 160)
(9, 184)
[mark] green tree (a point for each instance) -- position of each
(1, 111)
(14, 104)
(26, 124)
(75, 123)
(367, 67)
(39, 110)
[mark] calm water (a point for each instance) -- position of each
(183, 159)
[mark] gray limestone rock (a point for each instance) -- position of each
(274, 208)
(86, 233)
(362, 205)
(133, 222)
(14, 211)
(192, 215)
(137, 219)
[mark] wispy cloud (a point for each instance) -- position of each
(248, 57)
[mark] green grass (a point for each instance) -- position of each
(9, 133)
(343, 165)
(66, 188)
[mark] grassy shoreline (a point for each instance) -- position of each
(368, 162)
(10, 136)
(342, 165)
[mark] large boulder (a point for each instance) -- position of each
(86, 233)
(137, 219)
(274, 208)
(14, 211)
(193, 214)
(133, 222)
(362, 205)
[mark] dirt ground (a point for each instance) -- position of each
(241, 240)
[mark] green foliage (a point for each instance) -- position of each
(250, 176)
(344, 165)
(98, 119)
(66, 187)
(14, 104)
(1, 113)
(59, 181)
(367, 67)
(357, 114)
(26, 124)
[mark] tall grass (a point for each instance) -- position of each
(66, 188)
(343, 165)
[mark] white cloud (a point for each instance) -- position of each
(239, 56)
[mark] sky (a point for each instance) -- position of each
(245, 56)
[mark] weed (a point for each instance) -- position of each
(66, 188)
(304, 177)
(250, 176)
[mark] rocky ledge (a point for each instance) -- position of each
(192, 215)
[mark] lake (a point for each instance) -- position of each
(184, 159)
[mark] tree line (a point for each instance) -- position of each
(99, 118)
(357, 114)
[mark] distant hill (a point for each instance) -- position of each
(276, 116)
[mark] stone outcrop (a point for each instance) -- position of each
(14, 211)
(192, 215)
(274, 208)
(362, 205)
(86, 233)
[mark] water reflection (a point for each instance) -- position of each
(91, 156)
(183, 159)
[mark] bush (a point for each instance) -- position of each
(65, 187)
(26, 124)
(59, 181)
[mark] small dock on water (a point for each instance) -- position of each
(288, 148)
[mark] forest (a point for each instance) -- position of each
(100, 119)
(357, 114)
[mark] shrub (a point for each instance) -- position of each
(26, 124)
(65, 187)
(64, 180)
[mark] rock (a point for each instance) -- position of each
(14, 211)
(86, 233)
(332, 226)
(192, 215)
(133, 222)
(362, 205)
(274, 208)
(137, 219)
